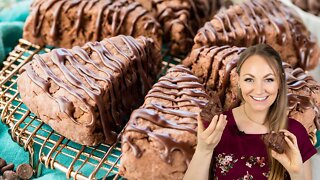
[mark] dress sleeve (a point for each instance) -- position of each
(306, 148)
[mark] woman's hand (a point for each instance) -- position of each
(210, 137)
(207, 141)
(291, 158)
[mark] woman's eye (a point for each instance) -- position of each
(248, 80)
(269, 80)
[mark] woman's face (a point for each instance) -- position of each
(258, 83)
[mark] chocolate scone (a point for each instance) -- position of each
(161, 134)
(262, 21)
(84, 93)
(303, 98)
(216, 69)
(311, 6)
(275, 141)
(65, 23)
(180, 19)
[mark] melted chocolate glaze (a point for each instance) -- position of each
(256, 13)
(218, 56)
(191, 14)
(154, 112)
(296, 101)
(69, 60)
(297, 78)
(115, 11)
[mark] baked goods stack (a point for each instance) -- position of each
(109, 57)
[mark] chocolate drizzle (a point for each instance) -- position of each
(296, 102)
(110, 19)
(233, 27)
(222, 60)
(181, 17)
(73, 64)
(164, 101)
(297, 79)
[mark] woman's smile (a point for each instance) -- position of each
(259, 99)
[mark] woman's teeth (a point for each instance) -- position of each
(259, 98)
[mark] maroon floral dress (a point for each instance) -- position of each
(242, 156)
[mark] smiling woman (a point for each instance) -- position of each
(258, 83)
(262, 87)
(231, 147)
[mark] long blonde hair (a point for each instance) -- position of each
(277, 114)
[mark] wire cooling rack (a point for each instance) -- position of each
(45, 146)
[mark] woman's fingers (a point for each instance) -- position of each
(200, 124)
(291, 136)
(206, 133)
(216, 135)
(280, 157)
(221, 124)
(289, 142)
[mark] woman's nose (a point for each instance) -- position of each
(259, 88)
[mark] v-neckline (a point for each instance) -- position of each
(234, 123)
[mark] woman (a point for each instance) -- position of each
(231, 146)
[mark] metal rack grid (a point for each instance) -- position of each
(45, 146)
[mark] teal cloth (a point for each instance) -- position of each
(318, 138)
(11, 26)
(13, 153)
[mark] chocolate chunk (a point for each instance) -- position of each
(206, 113)
(7, 167)
(24, 171)
(2, 163)
(275, 141)
(10, 175)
